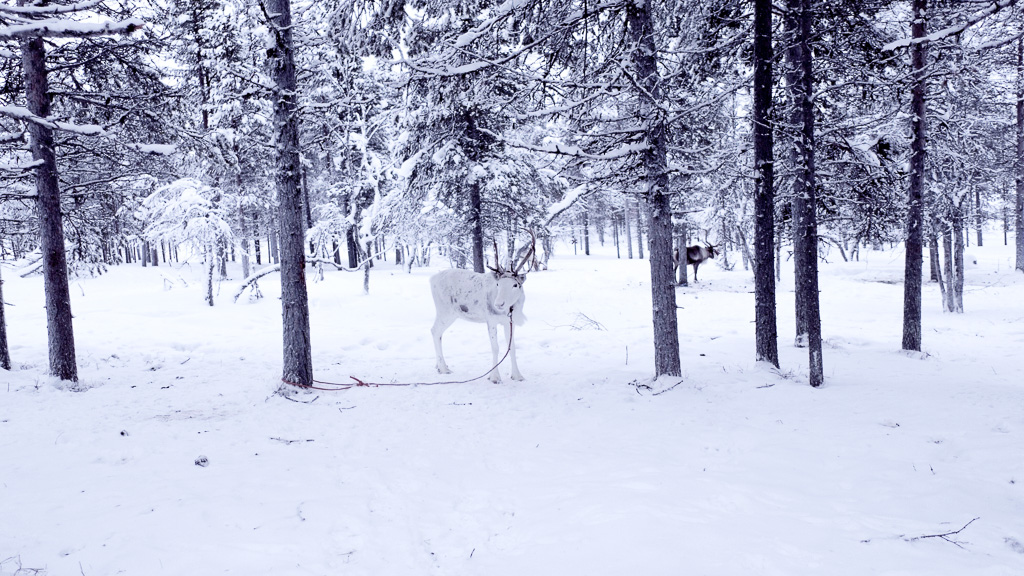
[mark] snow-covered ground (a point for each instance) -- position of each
(586, 468)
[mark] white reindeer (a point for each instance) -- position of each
(494, 297)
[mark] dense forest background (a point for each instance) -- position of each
(339, 132)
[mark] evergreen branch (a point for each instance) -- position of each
(971, 20)
(69, 29)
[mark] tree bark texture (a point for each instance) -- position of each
(628, 229)
(659, 209)
(476, 226)
(51, 228)
(1018, 211)
(766, 332)
(298, 363)
(5, 352)
(915, 195)
(959, 234)
(947, 252)
(799, 21)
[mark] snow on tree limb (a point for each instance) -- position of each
(971, 20)
(251, 280)
(154, 149)
(572, 151)
(22, 113)
(20, 167)
(52, 28)
(51, 9)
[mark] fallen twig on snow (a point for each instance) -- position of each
(945, 535)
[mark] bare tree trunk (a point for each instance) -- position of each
(640, 232)
(958, 258)
(476, 226)
(586, 233)
(629, 232)
(947, 252)
(979, 219)
(244, 224)
(766, 332)
(681, 273)
(298, 363)
(915, 196)
(615, 235)
(352, 246)
(799, 22)
(1018, 211)
(51, 227)
(5, 353)
(211, 262)
(659, 210)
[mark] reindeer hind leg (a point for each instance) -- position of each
(440, 325)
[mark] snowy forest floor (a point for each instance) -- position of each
(901, 464)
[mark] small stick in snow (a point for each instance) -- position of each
(945, 535)
(286, 441)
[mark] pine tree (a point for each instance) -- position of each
(766, 331)
(298, 363)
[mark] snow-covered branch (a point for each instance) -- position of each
(20, 167)
(971, 20)
(573, 151)
(69, 29)
(50, 9)
(23, 114)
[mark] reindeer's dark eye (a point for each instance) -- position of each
(515, 285)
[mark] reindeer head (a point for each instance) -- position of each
(510, 280)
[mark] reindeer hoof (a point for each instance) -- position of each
(495, 378)
(518, 377)
(443, 370)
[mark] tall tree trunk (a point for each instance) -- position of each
(51, 228)
(244, 226)
(681, 273)
(933, 253)
(979, 219)
(640, 232)
(211, 262)
(659, 210)
(947, 252)
(586, 233)
(352, 246)
(766, 332)
(629, 233)
(298, 363)
(1018, 211)
(799, 20)
(958, 258)
(915, 197)
(615, 235)
(5, 353)
(476, 226)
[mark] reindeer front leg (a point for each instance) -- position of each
(515, 375)
(492, 332)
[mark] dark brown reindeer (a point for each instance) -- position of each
(696, 255)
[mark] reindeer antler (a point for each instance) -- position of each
(526, 258)
(497, 261)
